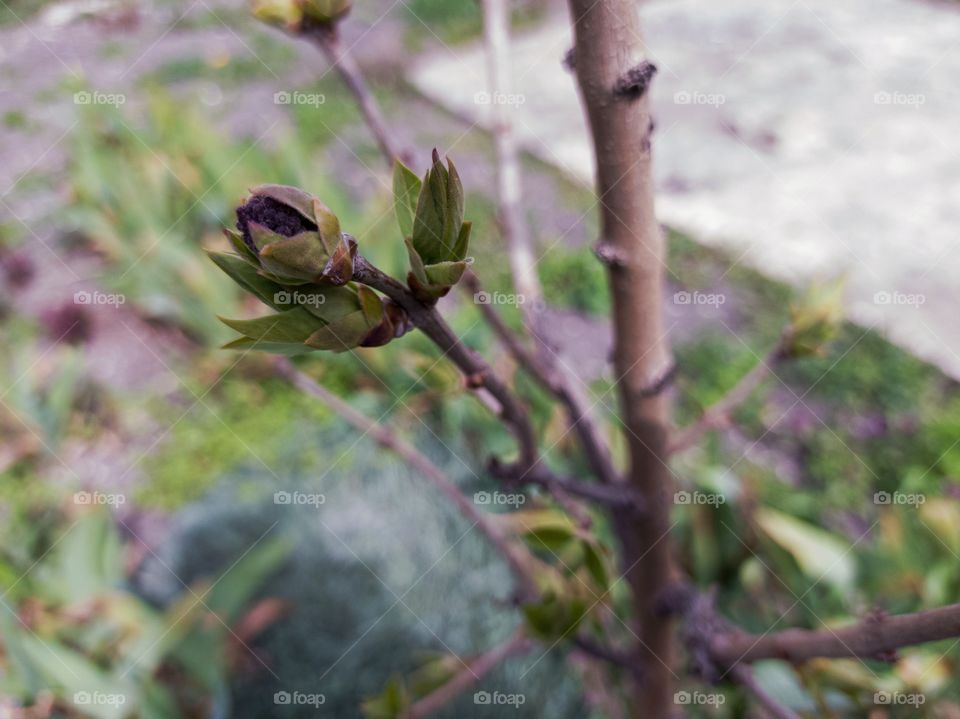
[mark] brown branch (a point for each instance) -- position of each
(546, 370)
(549, 368)
(608, 655)
(476, 370)
(608, 48)
(718, 414)
(475, 670)
(615, 496)
(743, 675)
(517, 559)
(876, 637)
(327, 38)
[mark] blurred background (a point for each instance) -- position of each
(185, 534)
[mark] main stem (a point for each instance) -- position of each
(612, 75)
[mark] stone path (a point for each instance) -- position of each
(809, 138)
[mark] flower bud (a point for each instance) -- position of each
(291, 254)
(294, 237)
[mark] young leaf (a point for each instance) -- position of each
(406, 190)
(291, 326)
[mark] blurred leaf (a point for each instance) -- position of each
(821, 555)
(406, 190)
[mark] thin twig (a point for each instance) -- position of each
(608, 655)
(719, 413)
(475, 670)
(743, 675)
(476, 370)
(876, 637)
(327, 38)
(517, 559)
(615, 496)
(548, 369)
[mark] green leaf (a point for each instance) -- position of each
(821, 555)
(416, 263)
(302, 256)
(262, 236)
(247, 277)
(371, 305)
(406, 190)
(289, 349)
(294, 325)
(237, 587)
(453, 220)
(342, 334)
(463, 241)
(593, 560)
(393, 702)
(236, 240)
(327, 224)
(77, 676)
(337, 301)
(445, 274)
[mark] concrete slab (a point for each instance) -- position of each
(809, 138)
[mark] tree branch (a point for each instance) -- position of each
(719, 413)
(476, 370)
(615, 496)
(327, 38)
(548, 369)
(475, 670)
(609, 59)
(876, 637)
(517, 559)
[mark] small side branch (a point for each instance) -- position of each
(475, 670)
(876, 637)
(718, 414)
(472, 365)
(550, 375)
(613, 496)
(517, 559)
(327, 38)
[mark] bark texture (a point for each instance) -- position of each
(609, 60)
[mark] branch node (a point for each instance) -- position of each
(475, 380)
(609, 254)
(632, 84)
(661, 383)
(570, 59)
